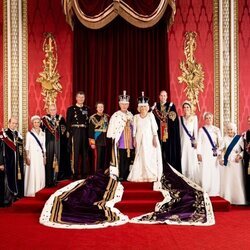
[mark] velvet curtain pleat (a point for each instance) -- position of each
(120, 57)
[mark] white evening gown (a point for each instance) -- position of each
(232, 183)
(34, 179)
(210, 176)
(189, 161)
(147, 165)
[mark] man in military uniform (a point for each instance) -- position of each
(52, 126)
(98, 125)
(77, 125)
(11, 164)
(168, 132)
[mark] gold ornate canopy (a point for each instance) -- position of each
(117, 8)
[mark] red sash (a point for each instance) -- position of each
(163, 131)
(7, 141)
(52, 129)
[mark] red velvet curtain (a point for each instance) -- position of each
(120, 57)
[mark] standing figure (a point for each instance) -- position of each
(52, 126)
(246, 157)
(120, 130)
(232, 182)
(188, 135)
(98, 125)
(169, 134)
(11, 164)
(77, 125)
(147, 165)
(35, 158)
(209, 139)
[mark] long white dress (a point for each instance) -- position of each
(34, 173)
(210, 176)
(189, 161)
(232, 183)
(147, 165)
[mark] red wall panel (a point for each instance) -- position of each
(244, 63)
(1, 64)
(192, 15)
(47, 16)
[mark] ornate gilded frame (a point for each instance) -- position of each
(216, 63)
(226, 62)
(15, 58)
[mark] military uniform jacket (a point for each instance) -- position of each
(98, 126)
(77, 116)
(53, 126)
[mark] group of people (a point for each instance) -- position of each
(160, 137)
(142, 146)
(26, 169)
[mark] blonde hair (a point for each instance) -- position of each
(207, 114)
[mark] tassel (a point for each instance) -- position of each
(55, 165)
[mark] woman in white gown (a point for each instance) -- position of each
(209, 139)
(188, 135)
(35, 159)
(232, 183)
(147, 165)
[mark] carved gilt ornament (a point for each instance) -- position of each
(50, 77)
(192, 72)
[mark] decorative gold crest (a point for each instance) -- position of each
(192, 73)
(172, 115)
(49, 78)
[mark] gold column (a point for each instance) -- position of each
(235, 64)
(216, 63)
(5, 60)
(14, 36)
(225, 53)
(15, 47)
(226, 80)
(25, 87)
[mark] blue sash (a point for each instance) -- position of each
(230, 148)
(97, 134)
(214, 148)
(38, 142)
(187, 132)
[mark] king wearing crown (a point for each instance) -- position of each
(120, 130)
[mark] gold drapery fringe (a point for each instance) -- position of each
(117, 7)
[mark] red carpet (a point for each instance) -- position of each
(140, 198)
(20, 229)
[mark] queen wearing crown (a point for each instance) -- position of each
(147, 165)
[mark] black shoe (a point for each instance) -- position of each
(74, 177)
(16, 198)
